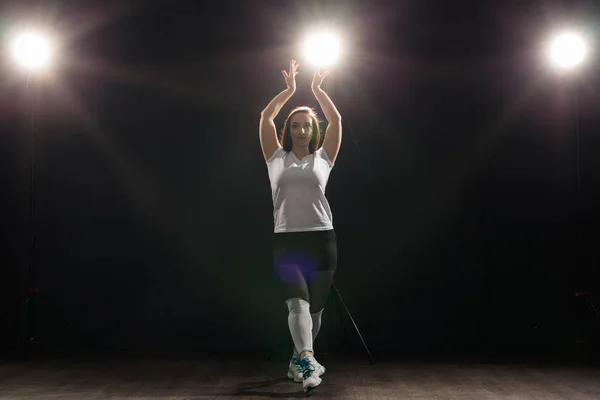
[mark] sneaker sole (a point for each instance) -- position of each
(310, 388)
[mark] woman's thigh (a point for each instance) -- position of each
(305, 263)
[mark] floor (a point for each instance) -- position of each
(251, 376)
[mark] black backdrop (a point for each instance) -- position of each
(454, 194)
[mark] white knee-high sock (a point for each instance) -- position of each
(300, 324)
(316, 326)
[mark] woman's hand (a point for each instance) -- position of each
(333, 133)
(318, 79)
(290, 77)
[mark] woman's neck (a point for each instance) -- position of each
(300, 153)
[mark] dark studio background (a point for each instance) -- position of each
(454, 195)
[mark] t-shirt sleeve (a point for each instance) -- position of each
(276, 154)
(323, 154)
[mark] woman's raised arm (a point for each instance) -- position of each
(267, 131)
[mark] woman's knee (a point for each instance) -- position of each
(297, 305)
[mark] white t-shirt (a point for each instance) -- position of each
(298, 190)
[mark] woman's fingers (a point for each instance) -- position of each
(293, 68)
(293, 71)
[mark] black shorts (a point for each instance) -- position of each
(311, 251)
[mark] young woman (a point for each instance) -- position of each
(305, 253)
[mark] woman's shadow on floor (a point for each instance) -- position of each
(253, 388)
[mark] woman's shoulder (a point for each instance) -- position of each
(322, 153)
(279, 153)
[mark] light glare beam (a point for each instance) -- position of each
(567, 51)
(32, 51)
(322, 50)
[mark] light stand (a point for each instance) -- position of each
(26, 336)
(581, 231)
(32, 53)
(568, 51)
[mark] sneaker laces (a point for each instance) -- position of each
(297, 364)
(307, 368)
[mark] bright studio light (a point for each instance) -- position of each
(322, 50)
(568, 50)
(32, 51)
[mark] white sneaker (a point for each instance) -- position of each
(295, 370)
(310, 374)
(319, 368)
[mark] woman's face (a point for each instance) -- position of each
(301, 129)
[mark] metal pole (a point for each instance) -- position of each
(26, 333)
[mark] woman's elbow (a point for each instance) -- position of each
(335, 117)
(266, 115)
